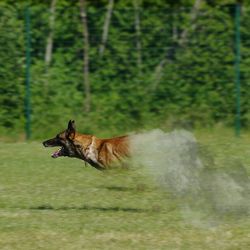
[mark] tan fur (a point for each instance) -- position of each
(103, 152)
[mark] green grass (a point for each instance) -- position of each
(50, 203)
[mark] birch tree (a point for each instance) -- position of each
(182, 41)
(138, 35)
(106, 27)
(49, 44)
(85, 33)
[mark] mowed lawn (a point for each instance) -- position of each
(50, 203)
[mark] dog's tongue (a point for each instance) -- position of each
(57, 153)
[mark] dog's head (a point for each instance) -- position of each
(64, 140)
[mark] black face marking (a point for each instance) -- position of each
(67, 145)
(65, 140)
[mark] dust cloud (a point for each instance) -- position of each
(206, 192)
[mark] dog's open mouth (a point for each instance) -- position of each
(58, 153)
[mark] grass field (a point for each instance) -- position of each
(50, 203)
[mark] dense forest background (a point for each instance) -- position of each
(120, 66)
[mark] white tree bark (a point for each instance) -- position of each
(182, 41)
(49, 44)
(106, 27)
(138, 35)
(86, 83)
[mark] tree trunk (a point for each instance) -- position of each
(174, 28)
(193, 16)
(106, 27)
(138, 35)
(182, 41)
(86, 83)
(49, 45)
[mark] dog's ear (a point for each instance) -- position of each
(71, 130)
(71, 125)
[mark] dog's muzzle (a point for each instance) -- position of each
(52, 143)
(45, 144)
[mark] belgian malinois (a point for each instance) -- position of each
(99, 153)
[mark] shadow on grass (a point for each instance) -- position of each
(138, 188)
(90, 208)
(118, 188)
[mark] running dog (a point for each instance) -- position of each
(99, 153)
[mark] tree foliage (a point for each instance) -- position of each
(195, 84)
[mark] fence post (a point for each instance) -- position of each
(27, 75)
(237, 69)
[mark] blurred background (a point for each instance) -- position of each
(121, 66)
